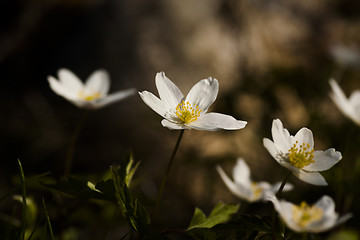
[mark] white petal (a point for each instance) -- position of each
(117, 96)
(172, 126)
(323, 160)
(237, 189)
(329, 216)
(285, 210)
(98, 82)
(287, 215)
(314, 178)
(354, 98)
(281, 136)
(270, 146)
(169, 93)
(241, 172)
(154, 103)
(327, 204)
(216, 121)
(338, 96)
(70, 80)
(204, 93)
(61, 90)
(355, 106)
(304, 135)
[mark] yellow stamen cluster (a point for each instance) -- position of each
(301, 156)
(89, 97)
(305, 215)
(186, 112)
(256, 190)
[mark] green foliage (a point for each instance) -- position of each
(220, 214)
(135, 213)
(115, 190)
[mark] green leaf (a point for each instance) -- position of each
(135, 213)
(220, 214)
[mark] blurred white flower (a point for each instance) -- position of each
(315, 218)
(350, 107)
(243, 187)
(189, 112)
(297, 153)
(92, 95)
(345, 55)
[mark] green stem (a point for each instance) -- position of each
(283, 184)
(48, 221)
(23, 227)
(71, 149)
(168, 168)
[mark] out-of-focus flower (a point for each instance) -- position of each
(92, 95)
(243, 187)
(297, 153)
(315, 218)
(190, 112)
(345, 55)
(350, 107)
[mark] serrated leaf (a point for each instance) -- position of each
(220, 214)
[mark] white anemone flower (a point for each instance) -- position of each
(92, 95)
(349, 106)
(190, 112)
(243, 187)
(298, 155)
(315, 218)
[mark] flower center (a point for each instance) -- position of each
(305, 215)
(257, 191)
(89, 97)
(300, 155)
(186, 112)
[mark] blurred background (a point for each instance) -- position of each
(273, 59)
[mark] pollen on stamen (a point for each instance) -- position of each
(89, 97)
(300, 155)
(304, 214)
(186, 112)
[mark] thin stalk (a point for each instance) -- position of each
(281, 188)
(168, 168)
(71, 149)
(283, 184)
(22, 177)
(48, 221)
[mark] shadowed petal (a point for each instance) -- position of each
(281, 136)
(236, 189)
(216, 121)
(270, 146)
(314, 178)
(204, 93)
(98, 82)
(323, 160)
(171, 125)
(169, 93)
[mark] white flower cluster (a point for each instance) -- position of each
(295, 153)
